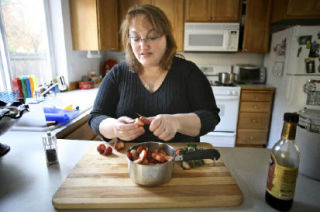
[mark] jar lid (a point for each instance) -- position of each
(310, 119)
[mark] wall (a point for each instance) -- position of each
(72, 64)
(211, 58)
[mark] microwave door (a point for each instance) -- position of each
(206, 40)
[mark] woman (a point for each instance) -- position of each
(171, 92)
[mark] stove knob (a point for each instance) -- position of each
(234, 93)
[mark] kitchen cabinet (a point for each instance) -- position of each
(254, 116)
(94, 24)
(295, 9)
(256, 26)
(170, 7)
(212, 11)
(79, 130)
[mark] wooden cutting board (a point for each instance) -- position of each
(99, 181)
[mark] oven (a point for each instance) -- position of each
(227, 99)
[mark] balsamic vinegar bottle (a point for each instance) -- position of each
(283, 166)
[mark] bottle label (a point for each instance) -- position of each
(281, 181)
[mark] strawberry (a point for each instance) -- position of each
(134, 153)
(119, 145)
(178, 151)
(144, 120)
(185, 165)
(140, 148)
(107, 151)
(129, 155)
(139, 161)
(143, 155)
(138, 122)
(101, 148)
(159, 157)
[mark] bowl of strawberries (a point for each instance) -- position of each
(150, 163)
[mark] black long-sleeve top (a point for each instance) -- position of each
(185, 89)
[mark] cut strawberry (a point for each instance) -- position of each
(119, 145)
(139, 161)
(134, 153)
(138, 122)
(185, 165)
(140, 148)
(159, 157)
(178, 151)
(101, 148)
(143, 155)
(129, 155)
(107, 151)
(144, 120)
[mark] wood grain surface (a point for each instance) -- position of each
(99, 181)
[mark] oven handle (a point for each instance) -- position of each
(226, 97)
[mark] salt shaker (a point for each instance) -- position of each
(50, 147)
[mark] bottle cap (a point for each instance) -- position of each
(291, 117)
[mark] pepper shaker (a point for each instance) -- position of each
(50, 147)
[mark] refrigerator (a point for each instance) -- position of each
(293, 59)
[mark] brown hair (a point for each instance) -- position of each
(161, 25)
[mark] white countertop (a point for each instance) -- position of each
(35, 120)
(27, 184)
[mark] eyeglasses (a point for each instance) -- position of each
(137, 40)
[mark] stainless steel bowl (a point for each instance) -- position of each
(152, 175)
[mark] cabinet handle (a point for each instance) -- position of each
(255, 107)
(254, 121)
(112, 48)
(251, 137)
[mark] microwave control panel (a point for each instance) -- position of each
(233, 39)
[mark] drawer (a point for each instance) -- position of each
(256, 137)
(253, 121)
(255, 107)
(259, 96)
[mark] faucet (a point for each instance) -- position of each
(61, 85)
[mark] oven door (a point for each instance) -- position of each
(220, 139)
(229, 106)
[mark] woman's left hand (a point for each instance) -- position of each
(164, 126)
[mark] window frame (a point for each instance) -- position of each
(5, 68)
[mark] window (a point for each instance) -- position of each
(26, 47)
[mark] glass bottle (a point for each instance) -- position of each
(283, 166)
(50, 147)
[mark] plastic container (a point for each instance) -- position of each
(86, 85)
(59, 115)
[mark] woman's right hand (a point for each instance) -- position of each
(125, 129)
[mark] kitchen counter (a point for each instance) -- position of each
(28, 184)
(256, 86)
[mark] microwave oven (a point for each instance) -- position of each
(250, 74)
(211, 37)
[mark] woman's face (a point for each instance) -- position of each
(147, 45)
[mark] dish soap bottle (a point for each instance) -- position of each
(283, 166)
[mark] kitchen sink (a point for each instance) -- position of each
(35, 119)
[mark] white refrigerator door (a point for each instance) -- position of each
(299, 50)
